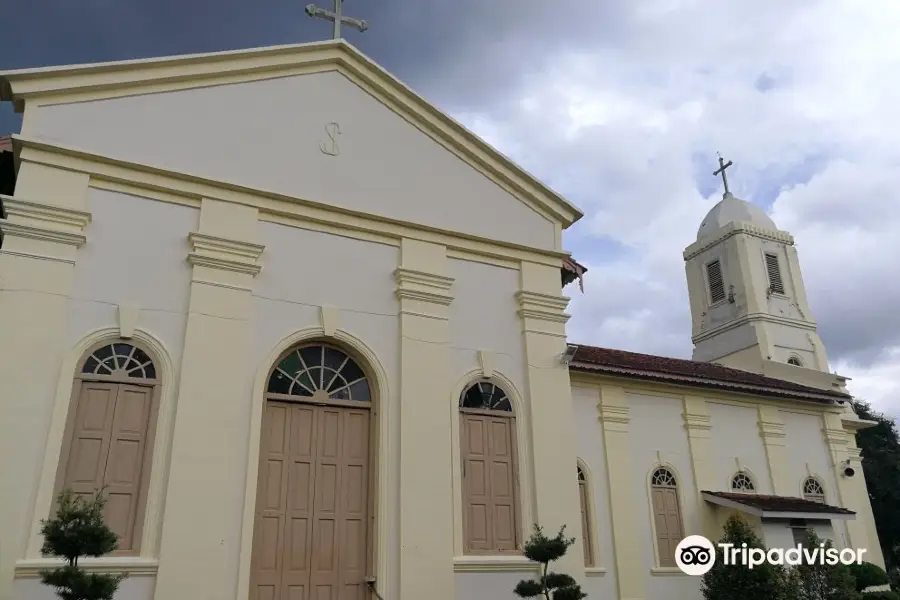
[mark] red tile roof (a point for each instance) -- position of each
(784, 504)
(691, 372)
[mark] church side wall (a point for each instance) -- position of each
(737, 443)
(658, 438)
(599, 582)
(804, 430)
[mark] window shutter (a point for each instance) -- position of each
(716, 283)
(776, 285)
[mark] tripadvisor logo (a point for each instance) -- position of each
(696, 555)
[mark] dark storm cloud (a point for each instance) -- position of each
(457, 52)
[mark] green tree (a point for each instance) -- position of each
(76, 530)
(868, 575)
(880, 447)
(739, 582)
(550, 585)
(824, 581)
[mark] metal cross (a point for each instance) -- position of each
(336, 17)
(721, 170)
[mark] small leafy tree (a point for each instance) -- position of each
(823, 581)
(739, 582)
(76, 530)
(550, 585)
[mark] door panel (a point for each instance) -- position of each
(310, 537)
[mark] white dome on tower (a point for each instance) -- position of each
(732, 209)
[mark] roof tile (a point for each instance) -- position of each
(593, 358)
(780, 503)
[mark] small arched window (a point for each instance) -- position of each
(109, 436)
(489, 470)
(813, 490)
(667, 521)
(795, 361)
(743, 483)
(587, 531)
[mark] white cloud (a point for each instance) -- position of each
(802, 96)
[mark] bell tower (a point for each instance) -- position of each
(748, 300)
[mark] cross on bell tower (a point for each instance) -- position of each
(721, 171)
(336, 17)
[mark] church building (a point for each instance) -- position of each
(310, 334)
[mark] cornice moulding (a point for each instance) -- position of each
(48, 213)
(39, 233)
(411, 277)
(733, 229)
(544, 307)
(225, 254)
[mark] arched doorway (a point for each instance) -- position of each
(312, 534)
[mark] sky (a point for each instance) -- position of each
(620, 107)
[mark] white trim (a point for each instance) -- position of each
(470, 564)
(130, 566)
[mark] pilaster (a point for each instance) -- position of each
(541, 311)
(851, 491)
(614, 419)
(698, 425)
(201, 532)
(771, 430)
(426, 518)
(45, 225)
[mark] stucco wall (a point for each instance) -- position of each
(592, 453)
(279, 124)
(805, 431)
(657, 438)
(736, 441)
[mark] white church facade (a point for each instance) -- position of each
(311, 334)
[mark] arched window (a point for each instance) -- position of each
(795, 361)
(489, 470)
(315, 470)
(743, 483)
(319, 372)
(109, 435)
(587, 531)
(667, 523)
(813, 490)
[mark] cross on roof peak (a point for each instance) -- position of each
(336, 17)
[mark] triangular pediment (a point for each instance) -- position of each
(320, 122)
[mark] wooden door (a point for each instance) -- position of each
(490, 509)
(310, 537)
(107, 448)
(668, 523)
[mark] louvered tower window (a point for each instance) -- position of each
(776, 285)
(716, 283)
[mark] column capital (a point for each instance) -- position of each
(543, 307)
(44, 222)
(223, 253)
(426, 287)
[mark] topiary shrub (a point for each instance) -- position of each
(76, 530)
(550, 586)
